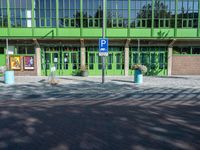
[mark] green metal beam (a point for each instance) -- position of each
(81, 15)
(8, 13)
(129, 17)
(33, 17)
(176, 11)
(198, 30)
(105, 18)
(152, 19)
(57, 16)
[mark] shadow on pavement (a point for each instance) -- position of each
(123, 81)
(56, 125)
(170, 77)
(88, 90)
(92, 116)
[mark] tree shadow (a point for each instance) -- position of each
(59, 125)
(91, 115)
(170, 77)
(123, 81)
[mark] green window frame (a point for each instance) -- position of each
(20, 13)
(186, 50)
(187, 15)
(92, 14)
(24, 50)
(3, 14)
(45, 13)
(69, 13)
(117, 13)
(164, 14)
(140, 13)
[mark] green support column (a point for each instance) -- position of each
(57, 16)
(81, 15)
(8, 13)
(33, 19)
(105, 20)
(129, 18)
(198, 30)
(176, 11)
(152, 19)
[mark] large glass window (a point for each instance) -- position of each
(20, 13)
(92, 13)
(25, 50)
(2, 50)
(45, 13)
(69, 13)
(117, 13)
(164, 14)
(141, 13)
(186, 50)
(3, 14)
(187, 14)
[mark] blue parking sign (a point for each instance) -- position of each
(103, 47)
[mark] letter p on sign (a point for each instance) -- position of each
(103, 42)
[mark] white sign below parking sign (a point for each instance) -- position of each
(103, 47)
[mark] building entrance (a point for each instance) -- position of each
(114, 62)
(65, 60)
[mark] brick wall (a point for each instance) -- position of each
(23, 72)
(186, 65)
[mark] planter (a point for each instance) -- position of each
(9, 77)
(84, 73)
(138, 76)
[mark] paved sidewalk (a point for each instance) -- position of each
(115, 88)
(178, 81)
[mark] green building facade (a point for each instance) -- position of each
(161, 34)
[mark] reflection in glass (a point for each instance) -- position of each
(118, 61)
(66, 61)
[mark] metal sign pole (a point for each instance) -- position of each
(103, 36)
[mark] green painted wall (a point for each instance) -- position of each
(2, 60)
(95, 33)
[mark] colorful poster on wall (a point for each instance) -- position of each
(29, 62)
(15, 62)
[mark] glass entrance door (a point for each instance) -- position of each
(51, 59)
(70, 62)
(65, 60)
(114, 63)
(94, 63)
